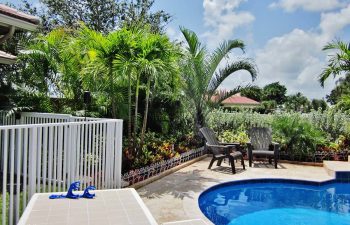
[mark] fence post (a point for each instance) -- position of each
(118, 156)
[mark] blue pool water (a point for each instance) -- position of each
(277, 202)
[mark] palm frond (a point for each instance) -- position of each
(222, 74)
(194, 45)
(221, 52)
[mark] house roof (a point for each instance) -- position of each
(11, 12)
(240, 100)
(7, 58)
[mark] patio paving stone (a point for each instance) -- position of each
(175, 197)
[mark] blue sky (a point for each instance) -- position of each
(283, 37)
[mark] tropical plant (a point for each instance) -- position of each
(339, 62)
(202, 76)
(298, 137)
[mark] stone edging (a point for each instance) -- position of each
(166, 173)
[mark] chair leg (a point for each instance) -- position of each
(250, 160)
(211, 163)
(270, 160)
(242, 161)
(232, 160)
(219, 162)
(275, 159)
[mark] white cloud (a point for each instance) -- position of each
(222, 18)
(296, 58)
(307, 5)
(333, 22)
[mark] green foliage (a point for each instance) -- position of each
(201, 76)
(158, 147)
(220, 120)
(253, 92)
(276, 92)
(342, 88)
(338, 63)
(332, 122)
(319, 104)
(297, 136)
(297, 103)
(344, 104)
(234, 136)
(99, 15)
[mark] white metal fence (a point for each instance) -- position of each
(49, 154)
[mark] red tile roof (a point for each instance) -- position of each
(8, 11)
(240, 100)
(236, 99)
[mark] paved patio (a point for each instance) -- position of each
(175, 197)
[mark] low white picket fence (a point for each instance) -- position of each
(51, 152)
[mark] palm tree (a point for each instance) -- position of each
(339, 63)
(157, 58)
(202, 76)
(101, 73)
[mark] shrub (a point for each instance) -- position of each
(297, 136)
(239, 136)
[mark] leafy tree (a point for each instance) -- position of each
(253, 92)
(338, 63)
(317, 104)
(342, 88)
(101, 74)
(202, 77)
(99, 15)
(297, 103)
(344, 104)
(275, 91)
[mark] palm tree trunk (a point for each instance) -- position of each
(130, 141)
(114, 113)
(145, 116)
(136, 109)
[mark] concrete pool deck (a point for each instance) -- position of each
(175, 197)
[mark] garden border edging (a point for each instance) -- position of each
(166, 173)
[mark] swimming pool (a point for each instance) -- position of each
(277, 202)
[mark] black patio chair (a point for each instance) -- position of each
(221, 151)
(261, 145)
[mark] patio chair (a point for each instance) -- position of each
(261, 145)
(221, 151)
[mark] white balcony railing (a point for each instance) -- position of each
(51, 152)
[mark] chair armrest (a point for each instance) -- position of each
(232, 144)
(224, 148)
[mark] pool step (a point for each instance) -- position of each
(338, 170)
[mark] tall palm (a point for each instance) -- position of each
(202, 75)
(338, 63)
(156, 58)
(100, 73)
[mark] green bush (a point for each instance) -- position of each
(220, 120)
(297, 136)
(239, 136)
